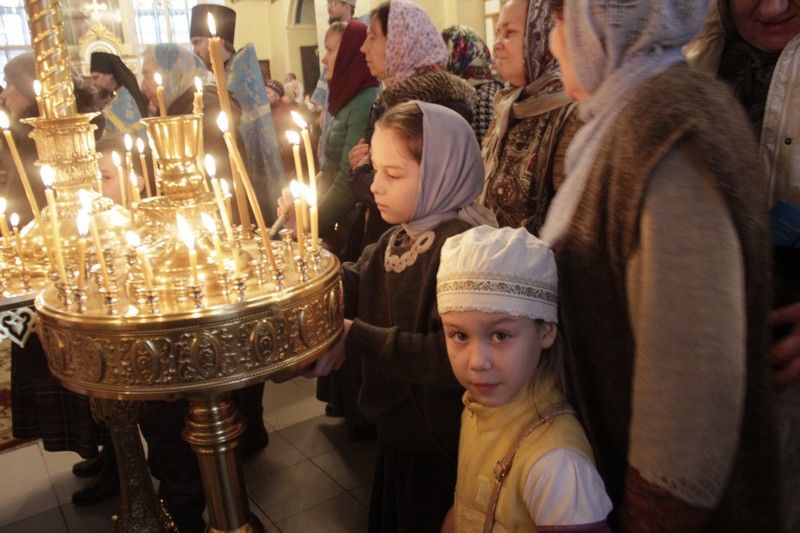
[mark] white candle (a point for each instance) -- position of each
(134, 180)
(86, 203)
(143, 162)
(123, 196)
(211, 226)
(83, 230)
(186, 235)
(211, 169)
(311, 199)
(162, 102)
(312, 170)
(23, 176)
(48, 178)
(296, 190)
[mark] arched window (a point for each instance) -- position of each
(304, 13)
(162, 21)
(14, 36)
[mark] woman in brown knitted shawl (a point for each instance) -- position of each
(524, 149)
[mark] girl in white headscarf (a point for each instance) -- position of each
(428, 175)
(661, 238)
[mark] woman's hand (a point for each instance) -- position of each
(286, 205)
(359, 154)
(785, 353)
(334, 358)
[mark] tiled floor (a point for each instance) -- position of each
(310, 478)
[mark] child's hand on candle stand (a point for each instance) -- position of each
(334, 358)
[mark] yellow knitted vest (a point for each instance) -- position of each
(486, 435)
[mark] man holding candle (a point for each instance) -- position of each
(127, 105)
(244, 81)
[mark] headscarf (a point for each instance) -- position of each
(20, 72)
(350, 72)
(412, 42)
(538, 59)
(614, 48)
(451, 172)
(469, 57)
(106, 63)
(178, 68)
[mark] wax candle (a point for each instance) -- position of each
(123, 197)
(86, 205)
(211, 227)
(128, 162)
(197, 107)
(218, 65)
(226, 193)
(294, 139)
(37, 92)
(211, 169)
(143, 162)
(238, 170)
(23, 176)
(83, 230)
(134, 181)
(48, 178)
(312, 170)
(311, 199)
(147, 272)
(162, 102)
(3, 225)
(248, 187)
(14, 219)
(186, 235)
(296, 190)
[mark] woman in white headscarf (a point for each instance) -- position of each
(660, 233)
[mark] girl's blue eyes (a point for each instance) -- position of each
(497, 336)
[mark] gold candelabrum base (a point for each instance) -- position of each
(198, 327)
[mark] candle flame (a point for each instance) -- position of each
(14, 219)
(128, 142)
(210, 165)
(115, 158)
(48, 175)
(212, 25)
(140, 145)
(310, 195)
(83, 223)
(209, 223)
(198, 84)
(133, 239)
(86, 200)
(222, 122)
(37, 87)
(299, 120)
(134, 179)
(4, 121)
(295, 188)
(293, 136)
(3, 204)
(185, 232)
(158, 79)
(226, 189)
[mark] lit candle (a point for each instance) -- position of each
(83, 230)
(186, 234)
(23, 176)
(143, 162)
(312, 170)
(147, 272)
(222, 122)
(296, 190)
(311, 199)
(197, 107)
(294, 139)
(239, 173)
(134, 180)
(86, 203)
(14, 219)
(48, 178)
(37, 92)
(211, 226)
(128, 163)
(123, 196)
(226, 193)
(211, 169)
(162, 102)
(3, 225)
(218, 65)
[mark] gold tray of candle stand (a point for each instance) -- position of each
(224, 346)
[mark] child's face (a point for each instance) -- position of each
(397, 173)
(494, 355)
(110, 177)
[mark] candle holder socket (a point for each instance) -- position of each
(302, 268)
(80, 298)
(196, 293)
(64, 293)
(110, 299)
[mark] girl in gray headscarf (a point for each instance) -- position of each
(661, 239)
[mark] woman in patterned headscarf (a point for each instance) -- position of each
(533, 121)
(470, 59)
(661, 239)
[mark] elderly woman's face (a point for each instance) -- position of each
(509, 46)
(14, 101)
(374, 49)
(768, 25)
(148, 81)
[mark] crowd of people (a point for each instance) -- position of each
(571, 264)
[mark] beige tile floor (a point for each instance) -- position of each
(310, 478)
